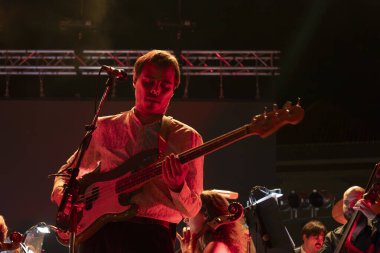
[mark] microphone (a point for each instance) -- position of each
(119, 74)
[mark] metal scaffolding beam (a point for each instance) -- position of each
(87, 62)
(219, 63)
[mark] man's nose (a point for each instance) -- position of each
(155, 88)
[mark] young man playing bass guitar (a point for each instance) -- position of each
(158, 203)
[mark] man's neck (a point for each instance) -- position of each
(147, 118)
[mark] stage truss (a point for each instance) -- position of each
(88, 62)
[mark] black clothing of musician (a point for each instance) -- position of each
(365, 236)
(368, 235)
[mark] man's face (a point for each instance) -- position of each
(349, 200)
(313, 243)
(154, 89)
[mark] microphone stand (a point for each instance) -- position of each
(72, 187)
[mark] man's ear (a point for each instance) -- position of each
(304, 237)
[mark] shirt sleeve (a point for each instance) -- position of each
(188, 201)
(61, 181)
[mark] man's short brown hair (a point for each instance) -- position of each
(159, 58)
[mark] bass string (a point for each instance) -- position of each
(197, 151)
(137, 178)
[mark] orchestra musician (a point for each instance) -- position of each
(365, 236)
(313, 234)
(231, 237)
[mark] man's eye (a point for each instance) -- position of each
(166, 86)
(148, 82)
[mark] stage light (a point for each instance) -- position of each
(320, 199)
(297, 200)
(316, 199)
(294, 200)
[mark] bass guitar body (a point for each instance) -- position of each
(105, 197)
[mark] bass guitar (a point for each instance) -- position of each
(104, 197)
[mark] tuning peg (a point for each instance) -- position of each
(287, 105)
(298, 101)
(275, 109)
(265, 112)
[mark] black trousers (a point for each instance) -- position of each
(128, 237)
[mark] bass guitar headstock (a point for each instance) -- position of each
(267, 123)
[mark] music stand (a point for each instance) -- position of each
(265, 224)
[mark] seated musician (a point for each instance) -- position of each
(365, 237)
(164, 200)
(313, 234)
(228, 238)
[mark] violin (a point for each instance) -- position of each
(236, 211)
(16, 238)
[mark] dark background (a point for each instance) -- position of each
(38, 137)
(329, 49)
(330, 57)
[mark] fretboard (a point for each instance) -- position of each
(145, 174)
